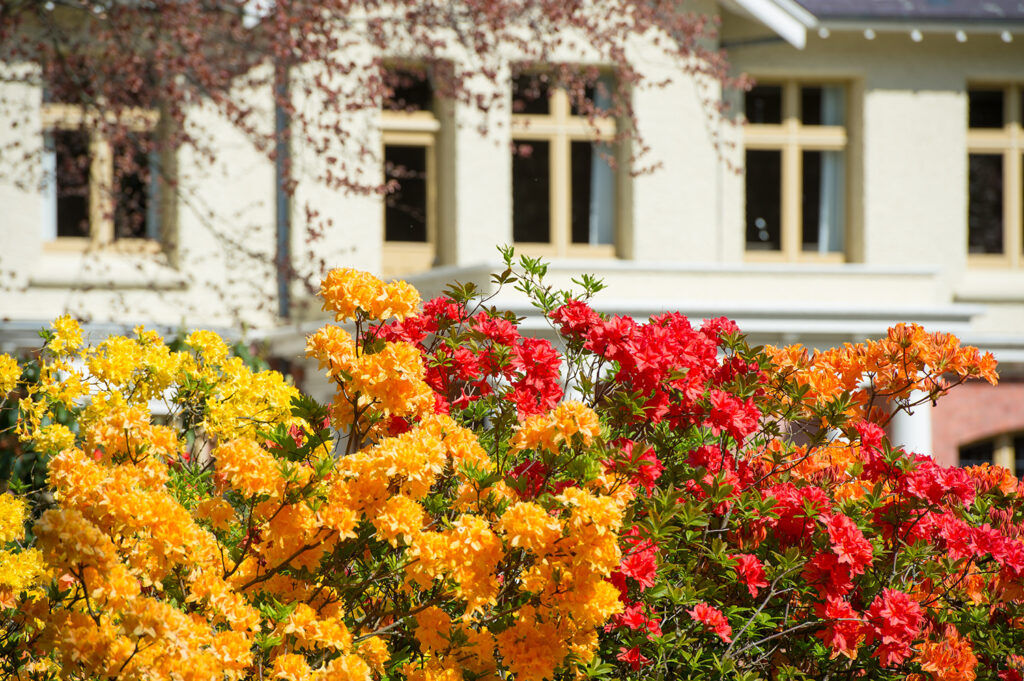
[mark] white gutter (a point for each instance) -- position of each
(788, 19)
(902, 25)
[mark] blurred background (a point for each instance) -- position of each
(817, 170)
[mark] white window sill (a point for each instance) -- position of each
(106, 271)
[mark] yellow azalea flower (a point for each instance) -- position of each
(400, 517)
(208, 345)
(433, 627)
(551, 430)
(217, 511)
(52, 438)
(347, 291)
(10, 372)
(529, 526)
(248, 468)
(291, 667)
(12, 518)
(532, 649)
(130, 530)
(346, 668)
(374, 651)
(67, 336)
(333, 347)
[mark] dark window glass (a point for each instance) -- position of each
(405, 209)
(763, 104)
(764, 200)
(985, 203)
(811, 200)
(977, 454)
(985, 108)
(810, 105)
(530, 94)
(135, 200)
(597, 93)
(823, 214)
(410, 90)
(72, 176)
(582, 160)
(531, 197)
(823, 105)
(593, 194)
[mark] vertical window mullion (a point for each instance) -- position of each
(432, 193)
(1011, 206)
(1004, 453)
(561, 174)
(791, 168)
(101, 190)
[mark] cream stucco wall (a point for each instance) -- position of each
(681, 232)
(212, 269)
(908, 150)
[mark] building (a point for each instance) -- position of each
(878, 179)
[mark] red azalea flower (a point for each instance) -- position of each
(640, 562)
(574, 318)
(845, 630)
(826, 572)
(632, 657)
(750, 571)
(848, 542)
(713, 619)
(896, 620)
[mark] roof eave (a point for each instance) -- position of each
(785, 17)
(974, 26)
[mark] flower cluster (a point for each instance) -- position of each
(699, 509)
(250, 533)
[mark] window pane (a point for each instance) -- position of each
(764, 200)
(405, 209)
(410, 90)
(985, 108)
(763, 104)
(593, 194)
(985, 203)
(977, 454)
(135, 202)
(823, 105)
(823, 201)
(599, 93)
(71, 148)
(531, 198)
(530, 94)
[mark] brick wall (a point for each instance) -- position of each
(975, 411)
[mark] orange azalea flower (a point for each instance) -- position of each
(950, 658)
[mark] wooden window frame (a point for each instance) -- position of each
(792, 137)
(414, 129)
(65, 117)
(1003, 451)
(560, 128)
(1007, 142)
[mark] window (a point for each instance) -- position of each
(563, 182)
(410, 129)
(98, 191)
(994, 177)
(1005, 450)
(795, 141)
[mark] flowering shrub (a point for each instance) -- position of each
(632, 499)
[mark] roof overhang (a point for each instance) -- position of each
(786, 18)
(921, 25)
